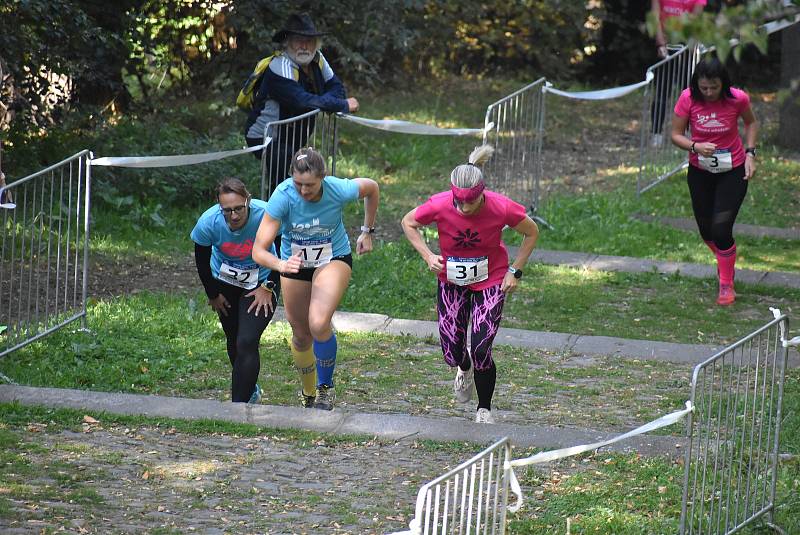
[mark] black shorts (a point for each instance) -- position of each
(306, 274)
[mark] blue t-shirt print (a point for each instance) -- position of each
(314, 230)
(231, 251)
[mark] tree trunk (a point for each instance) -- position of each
(789, 130)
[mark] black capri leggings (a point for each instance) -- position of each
(243, 332)
(716, 199)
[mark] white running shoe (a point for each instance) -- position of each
(484, 416)
(463, 385)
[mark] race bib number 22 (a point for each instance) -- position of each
(241, 277)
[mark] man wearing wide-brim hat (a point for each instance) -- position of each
(297, 81)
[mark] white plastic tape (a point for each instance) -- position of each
(547, 456)
(600, 94)
(778, 25)
(407, 127)
(173, 161)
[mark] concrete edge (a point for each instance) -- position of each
(626, 264)
(340, 422)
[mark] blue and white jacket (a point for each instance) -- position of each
(286, 91)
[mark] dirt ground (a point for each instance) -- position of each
(150, 480)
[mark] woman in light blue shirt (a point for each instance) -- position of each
(242, 293)
(315, 263)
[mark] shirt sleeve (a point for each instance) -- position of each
(426, 213)
(278, 205)
(515, 213)
(201, 233)
(683, 105)
(743, 100)
(350, 190)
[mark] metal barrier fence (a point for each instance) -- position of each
(658, 157)
(44, 251)
(471, 498)
(312, 129)
(516, 167)
(733, 435)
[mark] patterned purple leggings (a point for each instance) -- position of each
(458, 307)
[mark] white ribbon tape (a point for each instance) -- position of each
(547, 456)
(600, 94)
(794, 342)
(778, 25)
(407, 127)
(173, 161)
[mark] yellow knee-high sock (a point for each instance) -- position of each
(305, 365)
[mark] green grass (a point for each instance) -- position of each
(625, 495)
(562, 299)
(604, 222)
(173, 345)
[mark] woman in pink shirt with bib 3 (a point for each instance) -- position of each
(473, 271)
(720, 166)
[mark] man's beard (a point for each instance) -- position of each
(301, 58)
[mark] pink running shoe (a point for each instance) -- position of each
(726, 295)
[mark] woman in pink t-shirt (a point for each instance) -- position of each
(473, 271)
(719, 165)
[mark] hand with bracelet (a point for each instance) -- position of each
(263, 298)
(704, 149)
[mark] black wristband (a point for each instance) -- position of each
(691, 149)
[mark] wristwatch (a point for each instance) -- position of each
(750, 150)
(516, 272)
(367, 230)
(268, 285)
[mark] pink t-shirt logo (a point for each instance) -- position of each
(709, 121)
(466, 239)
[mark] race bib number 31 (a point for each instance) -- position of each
(241, 277)
(313, 253)
(463, 271)
(719, 162)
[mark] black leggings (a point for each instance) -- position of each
(243, 332)
(716, 199)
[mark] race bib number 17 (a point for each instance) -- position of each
(313, 253)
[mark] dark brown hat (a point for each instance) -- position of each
(297, 24)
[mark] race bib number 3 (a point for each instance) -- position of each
(313, 253)
(463, 271)
(719, 162)
(241, 277)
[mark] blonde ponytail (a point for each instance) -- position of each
(469, 175)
